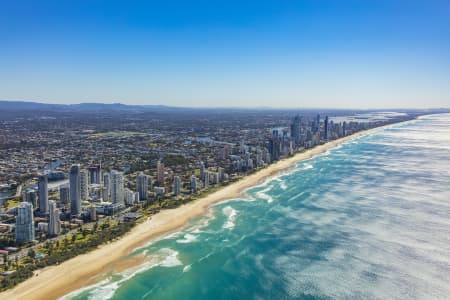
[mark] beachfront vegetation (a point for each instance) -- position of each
(53, 253)
(87, 239)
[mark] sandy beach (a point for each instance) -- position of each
(56, 281)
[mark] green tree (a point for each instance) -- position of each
(31, 253)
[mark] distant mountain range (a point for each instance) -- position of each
(7, 105)
(14, 106)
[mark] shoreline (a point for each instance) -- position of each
(56, 281)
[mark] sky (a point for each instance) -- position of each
(312, 54)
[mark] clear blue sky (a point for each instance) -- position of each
(342, 54)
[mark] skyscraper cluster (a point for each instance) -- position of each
(91, 191)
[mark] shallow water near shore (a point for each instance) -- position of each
(369, 219)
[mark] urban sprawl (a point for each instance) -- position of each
(77, 180)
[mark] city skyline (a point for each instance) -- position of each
(106, 172)
(266, 54)
(269, 149)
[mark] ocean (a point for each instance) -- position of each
(369, 219)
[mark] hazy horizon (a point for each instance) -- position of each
(278, 54)
(256, 107)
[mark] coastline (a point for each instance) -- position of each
(56, 281)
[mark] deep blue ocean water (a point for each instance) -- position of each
(369, 219)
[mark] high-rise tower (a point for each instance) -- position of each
(54, 225)
(94, 174)
(106, 186)
(142, 186)
(24, 223)
(117, 188)
(295, 129)
(325, 134)
(84, 185)
(176, 185)
(160, 172)
(193, 184)
(43, 194)
(75, 190)
(64, 194)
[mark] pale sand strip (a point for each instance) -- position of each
(56, 281)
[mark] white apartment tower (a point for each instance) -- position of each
(24, 223)
(117, 188)
(54, 225)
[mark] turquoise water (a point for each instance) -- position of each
(370, 219)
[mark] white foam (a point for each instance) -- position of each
(266, 182)
(166, 237)
(307, 167)
(231, 217)
(206, 256)
(105, 292)
(171, 236)
(80, 291)
(262, 194)
(246, 198)
(186, 268)
(106, 289)
(171, 258)
(188, 238)
(326, 153)
(137, 249)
